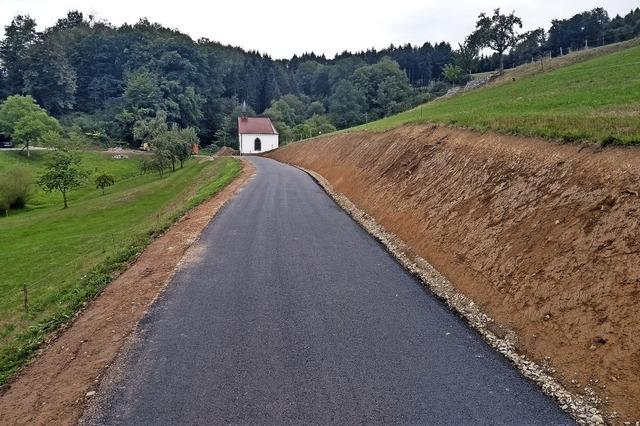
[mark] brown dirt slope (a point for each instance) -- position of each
(225, 151)
(545, 237)
(53, 389)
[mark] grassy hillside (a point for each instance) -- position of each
(66, 255)
(596, 100)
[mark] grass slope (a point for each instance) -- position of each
(597, 100)
(67, 255)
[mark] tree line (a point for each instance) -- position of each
(588, 29)
(107, 82)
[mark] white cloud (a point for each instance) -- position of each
(284, 27)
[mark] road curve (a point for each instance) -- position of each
(292, 314)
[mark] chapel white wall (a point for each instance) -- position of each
(269, 143)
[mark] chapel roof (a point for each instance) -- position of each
(256, 125)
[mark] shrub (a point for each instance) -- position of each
(4, 201)
(104, 180)
(145, 165)
(438, 88)
(610, 140)
(16, 187)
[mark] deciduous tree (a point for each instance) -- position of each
(452, 73)
(187, 139)
(497, 32)
(466, 56)
(25, 122)
(63, 173)
(346, 104)
(384, 85)
(49, 78)
(20, 34)
(104, 180)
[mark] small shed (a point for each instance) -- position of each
(256, 135)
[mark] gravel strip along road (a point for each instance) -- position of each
(290, 313)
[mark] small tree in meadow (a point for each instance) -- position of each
(162, 154)
(63, 173)
(187, 139)
(452, 73)
(103, 181)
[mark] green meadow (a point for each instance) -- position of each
(597, 100)
(65, 256)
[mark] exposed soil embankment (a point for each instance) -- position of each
(546, 237)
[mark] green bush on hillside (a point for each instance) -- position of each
(16, 187)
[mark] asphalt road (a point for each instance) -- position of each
(292, 314)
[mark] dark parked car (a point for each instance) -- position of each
(5, 143)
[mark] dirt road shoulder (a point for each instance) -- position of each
(54, 388)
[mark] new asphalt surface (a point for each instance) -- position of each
(289, 313)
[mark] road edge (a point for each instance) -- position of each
(582, 408)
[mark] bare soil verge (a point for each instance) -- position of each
(225, 151)
(54, 388)
(543, 236)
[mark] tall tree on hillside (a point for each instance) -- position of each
(623, 28)
(19, 36)
(142, 92)
(3, 84)
(281, 111)
(530, 47)
(270, 90)
(315, 108)
(98, 63)
(149, 128)
(73, 19)
(344, 68)
(346, 104)
(572, 33)
(385, 86)
(497, 32)
(305, 76)
(49, 78)
(141, 100)
(466, 56)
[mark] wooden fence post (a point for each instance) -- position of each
(25, 294)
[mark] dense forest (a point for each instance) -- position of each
(103, 81)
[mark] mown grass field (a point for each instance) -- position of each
(597, 100)
(65, 256)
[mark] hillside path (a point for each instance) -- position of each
(289, 313)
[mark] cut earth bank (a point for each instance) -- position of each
(544, 237)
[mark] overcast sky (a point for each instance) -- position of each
(284, 27)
